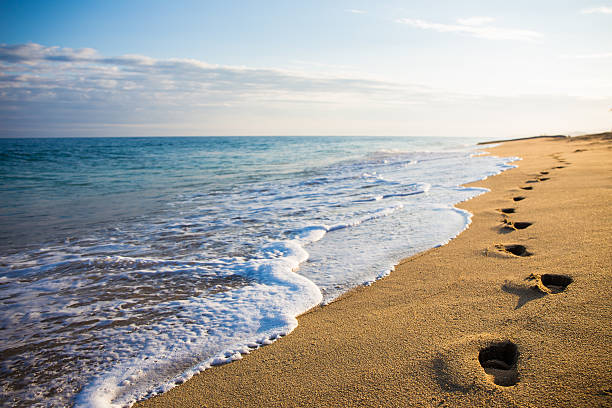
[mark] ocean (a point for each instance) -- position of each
(127, 265)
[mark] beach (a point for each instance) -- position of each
(515, 311)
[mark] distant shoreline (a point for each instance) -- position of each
(525, 138)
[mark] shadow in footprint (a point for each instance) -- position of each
(544, 178)
(507, 210)
(525, 293)
(519, 198)
(521, 225)
(527, 188)
(544, 172)
(499, 360)
(550, 283)
(510, 226)
(515, 249)
(532, 181)
(560, 167)
(555, 283)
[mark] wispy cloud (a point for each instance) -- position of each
(597, 10)
(356, 11)
(55, 84)
(474, 27)
(85, 72)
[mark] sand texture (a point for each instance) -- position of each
(515, 312)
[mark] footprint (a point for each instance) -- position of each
(526, 188)
(499, 360)
(510, 226)
(544, 178)
(551, 283)
(521, 225)
(507, 210)
(544, 172)
(518, 198)
(532, 181)
(514, 249)
(560, 167)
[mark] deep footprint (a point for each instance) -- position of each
(499, 360)
(544, 172)
(532, 181)
(527, 188)
(544, 178)
(519, 198)
(521, 225)
(508, 210)
(556, 283)
(516, 249)
(510, 226)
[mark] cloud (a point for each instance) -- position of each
(55, 91)
(356, 11)
(54, 84)
(34, 67)
(475, 29)
(597, 10)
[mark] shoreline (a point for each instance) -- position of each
(414, 338)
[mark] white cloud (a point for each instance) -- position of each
(475, 21)
(356, 11)
(54, 91)
(597, 10)
(85, 72)
(480, 31)
(54, 84)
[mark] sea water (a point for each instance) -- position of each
(127, 265)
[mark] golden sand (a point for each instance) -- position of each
(515, 312)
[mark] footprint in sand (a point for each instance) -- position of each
(532, 181)
(544, 172)
(507, 210)
(499, 360)
(551, 283)
(510, 226)
(526, 188)
(455, 367)
(521, 225)
(512, 249)
(543, 178)
(518, 198)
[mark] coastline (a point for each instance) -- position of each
(414, 337)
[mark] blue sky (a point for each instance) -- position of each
(469, 68)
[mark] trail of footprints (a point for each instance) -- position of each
(499, 359)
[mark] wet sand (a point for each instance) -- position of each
(515, 312)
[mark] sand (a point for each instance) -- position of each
(415, 337)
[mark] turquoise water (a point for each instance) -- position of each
(71, 184)
(129, 264)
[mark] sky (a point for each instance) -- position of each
(488, 68)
